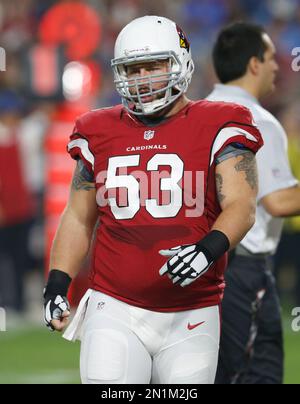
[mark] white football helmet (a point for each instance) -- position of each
(149, 39)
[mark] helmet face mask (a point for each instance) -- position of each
(132, 89)
(166, 86)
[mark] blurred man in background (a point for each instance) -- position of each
(252, 344)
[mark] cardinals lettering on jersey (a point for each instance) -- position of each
(143, 197)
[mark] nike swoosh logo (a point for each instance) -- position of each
(192, 327)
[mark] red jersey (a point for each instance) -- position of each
(148, 179)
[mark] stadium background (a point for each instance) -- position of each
(57, 66)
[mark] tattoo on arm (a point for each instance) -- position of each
(80, 182)
(248, 165)
(219, 185)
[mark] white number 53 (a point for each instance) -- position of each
(115, 181)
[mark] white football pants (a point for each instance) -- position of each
(123, 344)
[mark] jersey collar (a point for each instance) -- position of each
(133, 120)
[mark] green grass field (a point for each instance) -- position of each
(36, 356)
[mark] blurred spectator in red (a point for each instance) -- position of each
(16, 205)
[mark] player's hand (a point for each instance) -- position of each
(187, 264)
(56, 312)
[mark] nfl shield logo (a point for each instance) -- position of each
(149, 134)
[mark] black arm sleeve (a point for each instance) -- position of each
(232, 150)
(86, 174)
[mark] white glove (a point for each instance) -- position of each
(187, 264)
(54, 308)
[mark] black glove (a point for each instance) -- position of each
(55, 300)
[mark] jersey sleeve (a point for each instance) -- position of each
(80, 147)
(238, 128)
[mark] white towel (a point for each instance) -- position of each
(73, 332)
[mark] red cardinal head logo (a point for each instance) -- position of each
(184, 43)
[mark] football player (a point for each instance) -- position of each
(157, 277)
